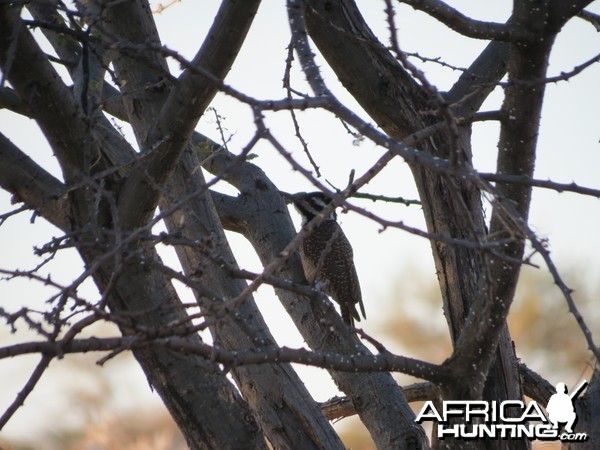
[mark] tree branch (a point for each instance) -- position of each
(27, 389)
(235, 319)
(124, 286)
(479, 80)
(164, 140)
(239, 358)
(590, 17)
(340, 407)
(67, 48)
(451, 203)
(546, 184)
(534, 387)
(51, 102)
(516, 156)
(561, 12)
(183, 107)
(10, 100)
(32, 185)
(466, 26)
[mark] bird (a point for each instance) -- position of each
(327, 256)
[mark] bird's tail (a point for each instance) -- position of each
(349, 314)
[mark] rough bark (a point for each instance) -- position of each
(588, 415)
(168, 119)
(129, 287)
(376, 397)
(207, 408)
(451, 207)
(289, 416)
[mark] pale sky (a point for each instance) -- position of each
(569, 150)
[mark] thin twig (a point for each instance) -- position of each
(27, 389)
(287, 84)
(387, 199)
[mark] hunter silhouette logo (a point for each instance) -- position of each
(560, 406)
(509, 419)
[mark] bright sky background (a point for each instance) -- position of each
(569, 150)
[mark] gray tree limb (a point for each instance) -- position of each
(51, 103)
(452, 208)
(298, 421)
(31, 184)
(466, 26)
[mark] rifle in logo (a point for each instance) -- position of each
(578, 390)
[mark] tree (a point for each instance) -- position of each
(110, 194)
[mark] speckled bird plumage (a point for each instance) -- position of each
(327, 257)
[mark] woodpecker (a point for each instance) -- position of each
(327, 256)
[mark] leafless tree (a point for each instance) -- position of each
(112, 193)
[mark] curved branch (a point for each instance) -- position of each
(10, 100)
(51, 102)
(590, 17)
(67, 48)
(516, 158)
(466, 26)
(27, 389)
(32, 185)
(183, 107)
(534, 386)
(479, 80)
(561, 12)
(546, 184)
(169, 135)
(383, 362)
